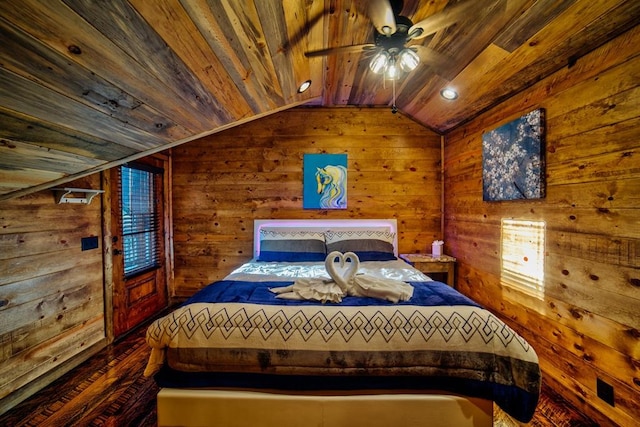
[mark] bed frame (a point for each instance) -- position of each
(231, 408)
(182, 407)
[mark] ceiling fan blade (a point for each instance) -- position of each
(304, 30)
(340, 49)
(446, 17)
(381, 15)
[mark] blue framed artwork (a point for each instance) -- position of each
(513, 162)
(325, 181)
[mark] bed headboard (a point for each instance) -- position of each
(323, 224)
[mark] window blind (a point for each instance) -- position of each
(139, 219)
(523, 250)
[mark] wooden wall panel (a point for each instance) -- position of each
(51, 292)
(587, 323)
(223, 182)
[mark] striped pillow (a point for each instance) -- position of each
(369, 245)
(291, 246)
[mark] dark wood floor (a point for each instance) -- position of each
(110, 390)
(106, 390)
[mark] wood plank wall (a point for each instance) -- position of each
(51, 292)
(223, 182)
(587, 325)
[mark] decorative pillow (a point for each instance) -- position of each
(291, 246)
(368, 244)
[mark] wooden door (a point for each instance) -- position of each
(138, 243)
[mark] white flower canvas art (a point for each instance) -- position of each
(513, 163)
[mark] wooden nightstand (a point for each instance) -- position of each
(429, 264)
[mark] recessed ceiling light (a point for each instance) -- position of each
(448, 93)
(304, 86)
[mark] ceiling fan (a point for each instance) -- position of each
(393, 51)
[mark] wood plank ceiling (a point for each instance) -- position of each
(86, 85)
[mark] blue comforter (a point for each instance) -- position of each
(425, 294)
(235, 333)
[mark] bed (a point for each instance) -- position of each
(237, 353)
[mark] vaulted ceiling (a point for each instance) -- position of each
(86, 85)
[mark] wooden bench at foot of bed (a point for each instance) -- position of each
(226, 408)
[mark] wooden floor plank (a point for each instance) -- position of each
(109, 389)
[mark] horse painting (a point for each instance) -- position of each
(332, 186)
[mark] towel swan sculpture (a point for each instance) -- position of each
(345, 281)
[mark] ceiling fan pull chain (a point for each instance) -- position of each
(394, 109)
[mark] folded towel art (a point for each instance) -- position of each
(345, 280)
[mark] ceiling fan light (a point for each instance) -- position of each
(392, 72)
(409, 60)
(379, 62)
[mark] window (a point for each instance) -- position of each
(140, 219)
(523, 256)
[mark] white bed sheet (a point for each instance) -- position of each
(273, 271)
